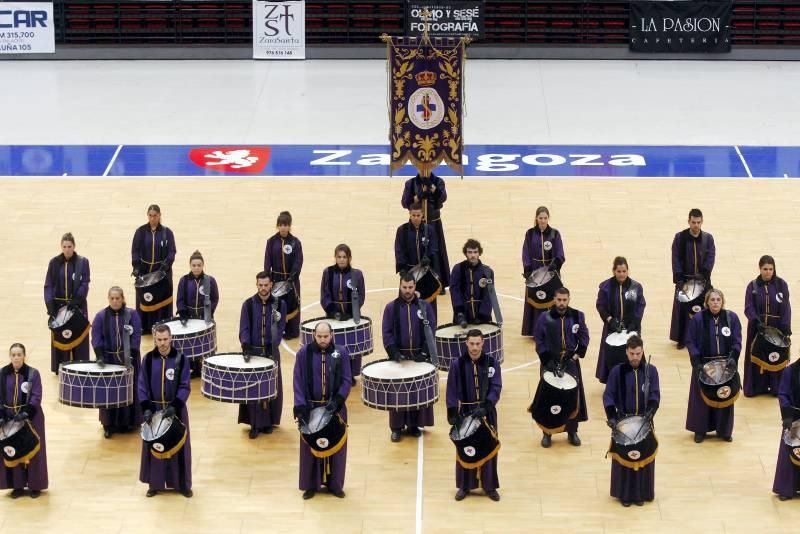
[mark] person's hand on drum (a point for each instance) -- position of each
(421, 356)
(614, 325)
(21, 416)
(163, 267)
(759, 326)
(135, 272)
(731, 361)
(550, 365)
(169, 411)
(128, 329)
(552, 266)
(612, 423)
(787, 422)
(394, 353)
(461, 320)
(147, 416)
(98, 356)
(425, 261)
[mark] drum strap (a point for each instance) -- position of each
(78, 275)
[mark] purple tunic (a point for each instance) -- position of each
(161, 385)
(255, 332)
(768, 302)
(432, 193)
(624, 396)
(152, 250)
(539, 249)
(107, 341)
(624, 302)
(558, 338)
(691, 256)
(314, 391)
(463, 397)
(336, 296)
(402, 329)
(12, 400)
(61, 288)
(191, 296)
(283, 257)
(466, 294)
(708, 337)
(787, 475)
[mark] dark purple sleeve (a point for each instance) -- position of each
(181, 298)
(281, 321)
(143, 386)
(400, 259)
(452, 385)
(711, 255)
(297, 266)
(456, 298)
(786, 316)
(83, 288)
(602, 302)
(362, 287)
(325, 298)
(527, 256)
(558, 250)
(408, 194)
(136, 337)
(441, 191)
(583, 335)
(540, 335)
(655, 386)
(244, 324)
(736, 335)
(694, 335)
(35, 398)
(750, 303)
(785, 387)
(299, 378)
(641, 303)
(433, 248)
(347, 375)
(610, 393)
(430, 314)
(387, 325)
(98, 342)
(185, 384)
(495, 385)
(677, 268)
(268, 256)
(171, 248)
(214, 295)
(136, 246)
(49, 289)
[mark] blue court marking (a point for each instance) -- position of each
(372, 160)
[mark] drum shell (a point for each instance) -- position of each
(429, 284)
(635, 455)
(768, 356)
(615, 354)
(289, 297)
(399, 394)
(720, 395)
(553, 407)
(791, 438)
(170, 442)
(153, 294)
(85, 388)
(328, 440)
(449, 349)
(226, 383)
(542, 296)
(356, 338)
(72, 333)
(477, 448)
(196, 344)
(20, 447)
(693, 305)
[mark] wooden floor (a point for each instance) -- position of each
(251, 486)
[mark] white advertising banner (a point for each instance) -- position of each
(279, 30)
(27, 28)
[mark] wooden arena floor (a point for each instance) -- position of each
(251, 486)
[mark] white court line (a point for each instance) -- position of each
(113, 159)
(750, 174)
(420, 464)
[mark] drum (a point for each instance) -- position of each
(401, 386)
(451, 342)
(476, 442)
(691, 295)
(165, 436)
(284, 291)
(87, 385)
(228, 378)
(720, 385)
(791, 437)
(555, 402)
(69, 328)
(615, 348)
(196, 339)
(19, 442)
(356, 338)
(633, 442)
(154, 290)
(428, 282)
(540, 288)
(770, 350)
(325, 433)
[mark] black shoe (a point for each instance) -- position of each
(187, 493)
(35, 494)
(680, 346)
(337, 493)
(727, 438)
(626, 504)
(308, 494)
(107, 432)
(573, 438)
(492, 494)
(151, 493)
(395, 436)
(443, 291)
(460, 494)
(780, 497)
(547, 440)
(253, 433)
(17, 493)
(266, 430)
(639, 503)
(415, 431)
(698, 437)
(354, 381)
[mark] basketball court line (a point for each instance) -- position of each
(746, 168)
(113, 159)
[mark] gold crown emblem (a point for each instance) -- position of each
(426, 78)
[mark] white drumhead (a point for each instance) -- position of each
(617, 339)
(540, 277)
(561, 382)
(10, 428)
(157, 427)
(791, 436)
(236, 361)
(454, 330)
(63, 315)
(193, 326)
(390, 370)
(91, 368)
(311, 324)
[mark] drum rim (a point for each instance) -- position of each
(211, 327)
(529, 281)
(495, 333)
(565, 373)
(630, 334)
(69, 315)
(230, 400)
(12, 423)
(211, 365)
(703, 374)
(432, 372)
(122, 371)
(365, 325)
(154, 274)
(780, 337)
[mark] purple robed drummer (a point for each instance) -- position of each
(542, 247)
(416, 243)
(471, 302)
(283, 260)
(153, 249)
(336, 292)
(431, 194)
(474, 383)
(561, 339)
(165, 384)
(693, 255)
(787, 475)
(321, 378)
(20, 400)
(713, 333)
(191, 298)
(766, 303)
(620, 303)
(624, 396)
(108, 331)
(256, 331)
(404, 339)
(67, 284)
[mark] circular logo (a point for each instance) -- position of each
(9, 451)
(148, 297)
(158, 447)
(73, 277)
(773, 357)
(555, 409)
(541, 295)
(696, 308)
(491, 372)
(724, 392)
(170, 374)
(202, 291)
(349, 284)
(796, 452)
(322, 443)
(419, 314)
(575, 328)
(425, 108)
(548, 245)
(277, 315)
(634, 455)
(66, 334)
(25, 387)
(726, 331)
(482, 282)
(287, 249)
(631, 294)
(779, 297)
(469, 451)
